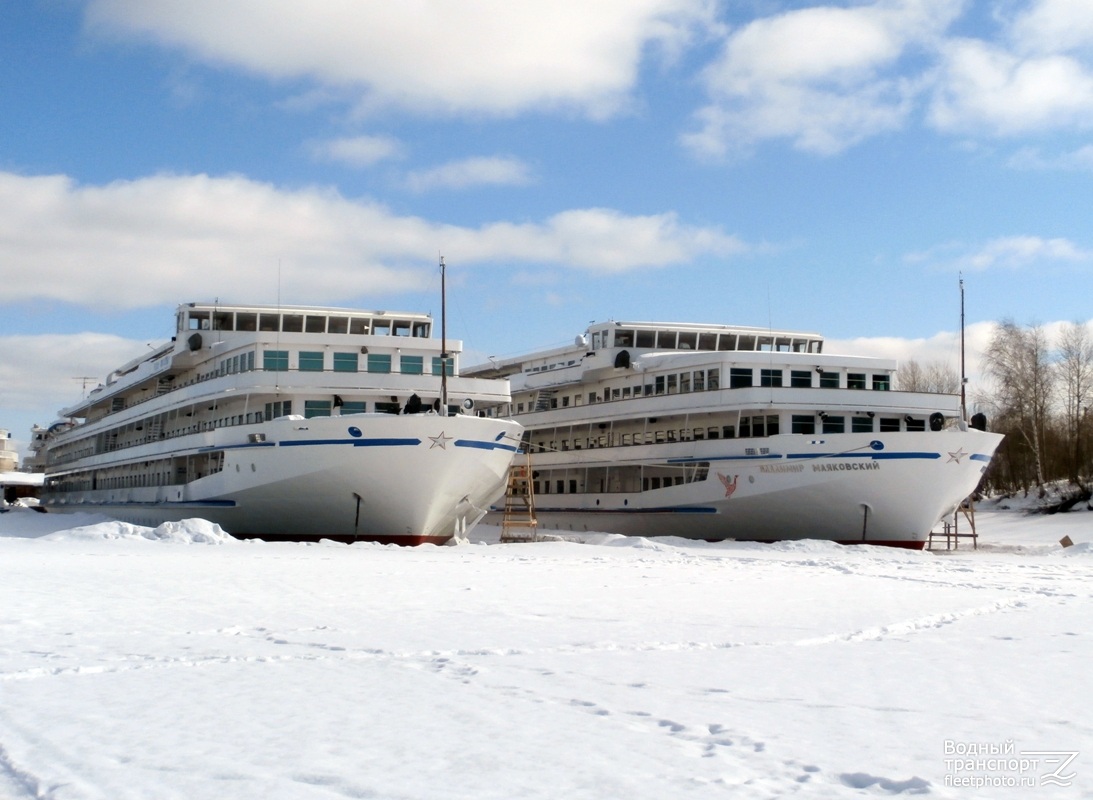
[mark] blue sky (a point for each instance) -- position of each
(826, 167)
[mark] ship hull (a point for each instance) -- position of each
(887, 489)
(404, 479)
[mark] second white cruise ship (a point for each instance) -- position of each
(722, 432)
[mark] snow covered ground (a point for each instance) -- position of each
(180, 663)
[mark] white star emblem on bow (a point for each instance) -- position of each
(959, 454)
(440, 441)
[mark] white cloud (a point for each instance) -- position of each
(823, 77)
(140, 243)
(481, 171)
(605, 241)
(941, 348)
(1005, 252)
(356, 151)
(495, 56)
(1080, 160)
(985, 88)
(1053, 26)
(45, 372)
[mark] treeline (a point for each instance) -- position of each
(1041, 391)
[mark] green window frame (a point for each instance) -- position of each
(346, 362)
(354, 407)
(311, 361)
(275, 360)
(317, 408)
(412, 365)
(379, 362)
(450, 367)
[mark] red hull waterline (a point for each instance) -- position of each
(409, 540)
(906, 544)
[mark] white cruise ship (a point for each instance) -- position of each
(720, 432)
(288, 422)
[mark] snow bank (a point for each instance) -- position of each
(188, 531)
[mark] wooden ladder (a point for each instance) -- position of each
(950, 531)
(518, 524)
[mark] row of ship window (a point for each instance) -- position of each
(750, 427)
(315, 361)
(710, 380)
(303, 323)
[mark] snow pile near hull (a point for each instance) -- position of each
(188, 531)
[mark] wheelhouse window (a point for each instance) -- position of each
(882, 383)
(803, 423)
(770, 377)
(292, 323)
(315, 324)
(740, 378)
(337, 325)
(437, 360)
(799, 378)
(829, 380)
(282, 408)
(855, 380)
(411, 365)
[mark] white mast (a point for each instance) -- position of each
(443, 344)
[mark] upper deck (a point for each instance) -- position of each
(302, 319)
(213, 338)
(605, 340)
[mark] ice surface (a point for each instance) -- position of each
(141, 663)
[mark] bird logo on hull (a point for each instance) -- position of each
(730, 486)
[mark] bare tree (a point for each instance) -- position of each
(1075, 372)
(1017, 359)
(933, 376)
